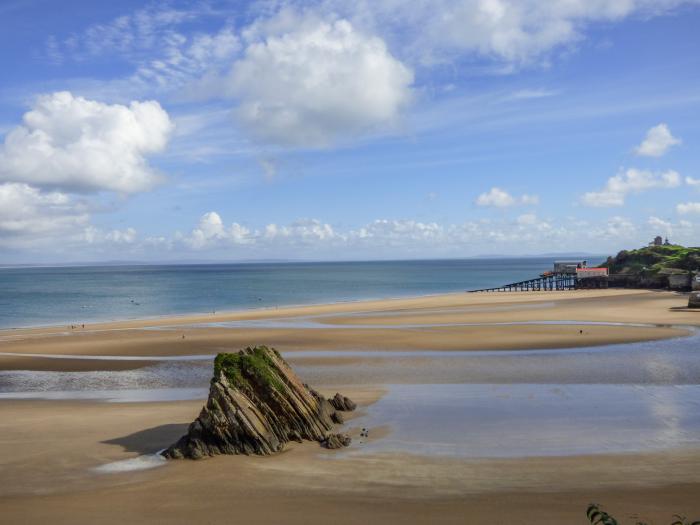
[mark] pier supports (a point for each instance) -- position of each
(544, 282)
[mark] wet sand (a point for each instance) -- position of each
(447, 322)
(49, 448)
(54, 446)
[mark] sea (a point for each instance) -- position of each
(39, 296)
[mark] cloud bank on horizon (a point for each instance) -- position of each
(328, 129)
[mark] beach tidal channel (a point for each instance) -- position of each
(632, 397)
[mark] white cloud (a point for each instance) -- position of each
(495, 197)
(498, 198)
(211, 231)
(514, 32)
(527, 219)
(682, 230)
(630, 181)
(304, 230)
(687, 208)
(312, 73)
(318, 84)
(131, 36)
(93, 235)
(603, 199)
(392, 232)
(690, 181)
(660, 225)
(53, 222)
(313, 238)
(529, 200)
(190, 64)
(530, 94)
(617, 228)
(657, 142)
(77, 144)
(27, 214)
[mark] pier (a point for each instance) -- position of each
(567, 275)
(542, 283)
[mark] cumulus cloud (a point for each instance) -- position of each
(32, 219)
(687, 208)
(690, 181)
(398, 231)
(683, 229)
(27, 214)
(617, 228)
(74, 144)
(629, 181)
(318, 83)
(657, 142)
(309, 238)
(495, 197)
(93, 235)
(311, 73)
(304, 230)
(498, 198)
(211, 231)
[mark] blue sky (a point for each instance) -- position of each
(333, 130)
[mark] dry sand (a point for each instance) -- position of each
(47, 449)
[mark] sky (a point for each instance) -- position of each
(329, 130)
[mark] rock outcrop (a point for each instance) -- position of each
(694, 300)
(256, 405)
(668, 266)
(336, 441)
(340, 402)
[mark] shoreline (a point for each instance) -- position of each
(280, 311)
(228, 313)
(444, 322)
(53, 446)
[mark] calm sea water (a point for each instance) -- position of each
(43, 296)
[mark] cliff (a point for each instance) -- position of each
(256, 405)
(654, 267)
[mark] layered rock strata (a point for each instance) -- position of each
(256, 405)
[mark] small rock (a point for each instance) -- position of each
(693, 302)
(340, 402)
(334, 441)
(337, 418)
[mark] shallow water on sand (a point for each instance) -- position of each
(614, 398)
(518, 420)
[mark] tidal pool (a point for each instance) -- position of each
(604, 399)
(519, 420)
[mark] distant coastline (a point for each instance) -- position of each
(41, 296)
(204, 262)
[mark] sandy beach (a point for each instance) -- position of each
(51, 448)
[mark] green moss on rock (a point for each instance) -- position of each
(256, 364)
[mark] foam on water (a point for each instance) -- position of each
(146, 395)
(143, 462)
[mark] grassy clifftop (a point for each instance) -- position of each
(654, 260)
